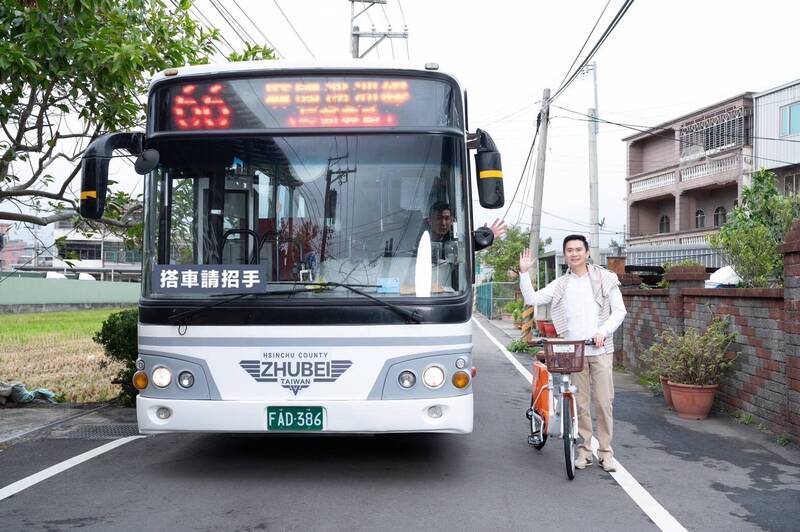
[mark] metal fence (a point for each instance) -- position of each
(492, 297)
(658, 255)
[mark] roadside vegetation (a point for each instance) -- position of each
(55, 350)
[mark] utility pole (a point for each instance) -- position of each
(356, 33)
(538, 189)
(594, 215)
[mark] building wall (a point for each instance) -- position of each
(708, 203)
(768, 153)
(658, 151)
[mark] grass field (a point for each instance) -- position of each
(55, 350)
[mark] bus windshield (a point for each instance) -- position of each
(336, 208)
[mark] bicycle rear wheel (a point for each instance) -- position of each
(539, 446)
(569, 442)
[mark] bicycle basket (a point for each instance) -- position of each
(564, 356)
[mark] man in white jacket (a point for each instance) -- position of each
(585, 303)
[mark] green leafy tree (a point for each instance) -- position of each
(72, 70)
(503, 255)
(749, 240)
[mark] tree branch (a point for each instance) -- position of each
(44, 162)
(37, 220)
(69, 179)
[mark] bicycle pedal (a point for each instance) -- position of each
(534, 439)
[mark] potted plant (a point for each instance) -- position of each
(694, 364)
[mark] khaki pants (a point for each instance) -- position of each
(596, 384)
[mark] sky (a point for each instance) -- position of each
(665, 59)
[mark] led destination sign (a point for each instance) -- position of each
(307, 102)
(338, 103)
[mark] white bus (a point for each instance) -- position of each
(308, 248)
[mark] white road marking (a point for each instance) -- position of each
(649, 505)
(27, 482)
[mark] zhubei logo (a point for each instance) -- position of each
(295, 375)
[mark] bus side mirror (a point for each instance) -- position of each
(94, 169)
(489, 170)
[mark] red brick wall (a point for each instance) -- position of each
(765, 381)
(757, 385)
(648, 315)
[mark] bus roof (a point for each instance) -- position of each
(272, 66)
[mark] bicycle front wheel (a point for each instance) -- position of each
(569, 442)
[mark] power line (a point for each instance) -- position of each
(239, 24)
(613, 24)
(207, 25)
(527, 161)
(227, 21)
(293, 28)
(585, 42)
(388, 28)
(236, 3)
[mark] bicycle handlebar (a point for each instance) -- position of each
(541, 341)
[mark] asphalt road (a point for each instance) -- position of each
(711, 478)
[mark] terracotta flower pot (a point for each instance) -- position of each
(692, 401)
(546, 328)
(667, 391)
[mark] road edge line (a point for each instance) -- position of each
(44, 474)
(643, 499)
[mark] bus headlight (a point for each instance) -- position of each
(185, 379)
(162, 377)
(433, 376)
(407, 379)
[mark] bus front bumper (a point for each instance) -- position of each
(455, 415)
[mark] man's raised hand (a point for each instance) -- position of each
(498, 228)
(525, 260)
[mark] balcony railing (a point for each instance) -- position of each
(712, 167)
(691, 236)
(657, 181)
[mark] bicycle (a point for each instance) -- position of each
(549, 402)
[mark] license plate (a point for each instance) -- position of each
(294, 418)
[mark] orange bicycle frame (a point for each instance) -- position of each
(540, 393)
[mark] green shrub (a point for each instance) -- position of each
(118, 336)
(755, 229)
(684, 265)
(693, 357)
(521, 346)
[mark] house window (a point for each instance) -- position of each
(663, 224)
(720, 216)
(699, 219)
(790, 119)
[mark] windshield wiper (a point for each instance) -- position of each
(228, 298)
(306, 286)
(413, 315)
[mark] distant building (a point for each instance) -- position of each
(101, 254)
(11, 250)
(776, 141)
(684, 177)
